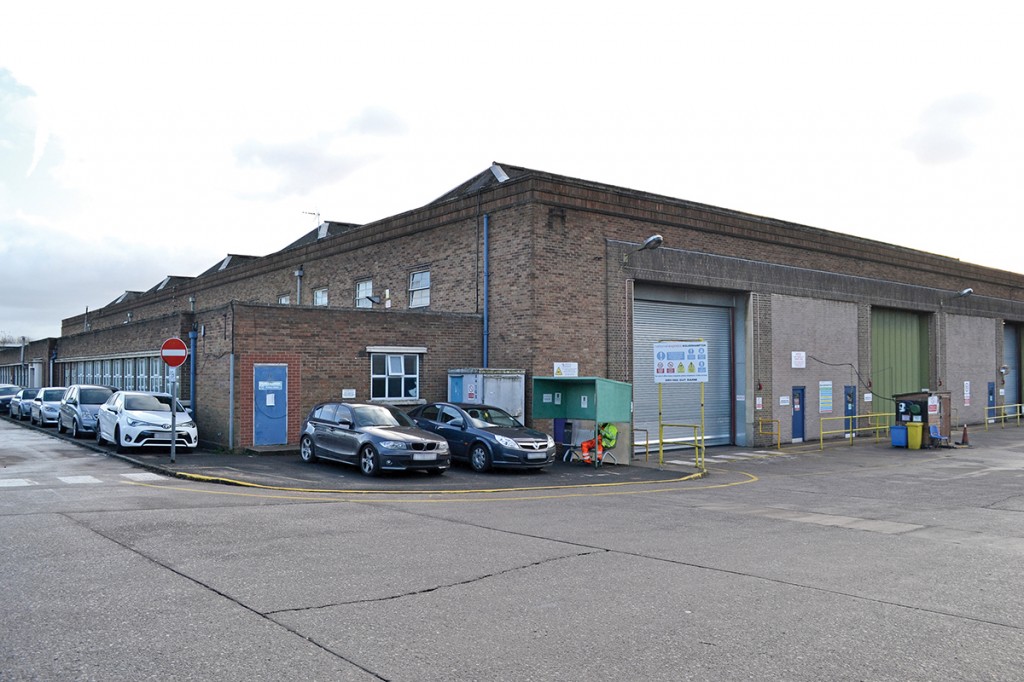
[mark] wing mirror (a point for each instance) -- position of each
(458, 422)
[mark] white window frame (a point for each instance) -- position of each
(284, 299)
(419, 289)
(364, 289)
(318, 293)
(396, 375)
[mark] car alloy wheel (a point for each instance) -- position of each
(74, 428)
(369, 461)
(480, 457)
(307, 450)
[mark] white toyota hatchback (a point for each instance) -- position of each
(135, 419)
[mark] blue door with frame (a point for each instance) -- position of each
(798, 414)
(270, 405)
(850, 408)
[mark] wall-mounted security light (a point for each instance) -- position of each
(964, 292)
(373, 299)
(649, 244)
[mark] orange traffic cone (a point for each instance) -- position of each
(964, 440)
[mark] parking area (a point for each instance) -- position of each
(283, 469)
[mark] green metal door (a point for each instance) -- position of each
(899, 355)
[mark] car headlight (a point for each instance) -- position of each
(394, 444)
(507, 442)
(187, 425)
(442, 447)
(551, 442)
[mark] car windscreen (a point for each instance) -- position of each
(9, 390)
(94, 396)
(147, 403)
(52, 395)
(379, 415)
(484, 417)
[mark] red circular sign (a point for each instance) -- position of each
(174, 352)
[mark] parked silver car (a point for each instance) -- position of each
(78, 408)
(46, 405)
(375, 437)
(21, 403)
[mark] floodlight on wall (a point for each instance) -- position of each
(651, 243)
(373, 299)
(963, 293)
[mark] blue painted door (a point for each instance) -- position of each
(798, 414)
(455, 388)
(850, 403)
(270, 405)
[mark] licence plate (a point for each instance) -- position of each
(424, 456)
(536, 455)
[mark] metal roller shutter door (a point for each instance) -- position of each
(660, 321)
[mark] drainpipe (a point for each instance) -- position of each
(487, 287)
(192, 371)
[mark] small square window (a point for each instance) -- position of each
(394, 376)
(320, 296)
(419, 289)
(284, 299)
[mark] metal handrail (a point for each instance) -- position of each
(777, 431)
(1016, 414)
(872, 425)
(647, 443)
(698, 443)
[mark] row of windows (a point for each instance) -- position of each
(128, 374)
(419, 292)
(392, 377)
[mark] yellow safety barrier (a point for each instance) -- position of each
(991, 414)
(876, 421)
(776, 430)
(698, 443)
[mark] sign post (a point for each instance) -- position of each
(174, 352)
(678, 362)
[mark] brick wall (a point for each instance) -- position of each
(325, 351)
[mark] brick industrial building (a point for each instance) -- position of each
(517, 268)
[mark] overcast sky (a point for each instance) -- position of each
(139, 140)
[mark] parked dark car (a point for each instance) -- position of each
(375, 437)
(7, 391)
(21, 403)
(486, 436)
(78, 408)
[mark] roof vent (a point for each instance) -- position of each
(322, 231)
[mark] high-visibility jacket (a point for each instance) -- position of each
(609, 434)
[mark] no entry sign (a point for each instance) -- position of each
(174, 352)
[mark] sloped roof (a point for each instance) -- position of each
(326, 229)
(169, 281)
(495, 175)
(126, 296)
(229, 261)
